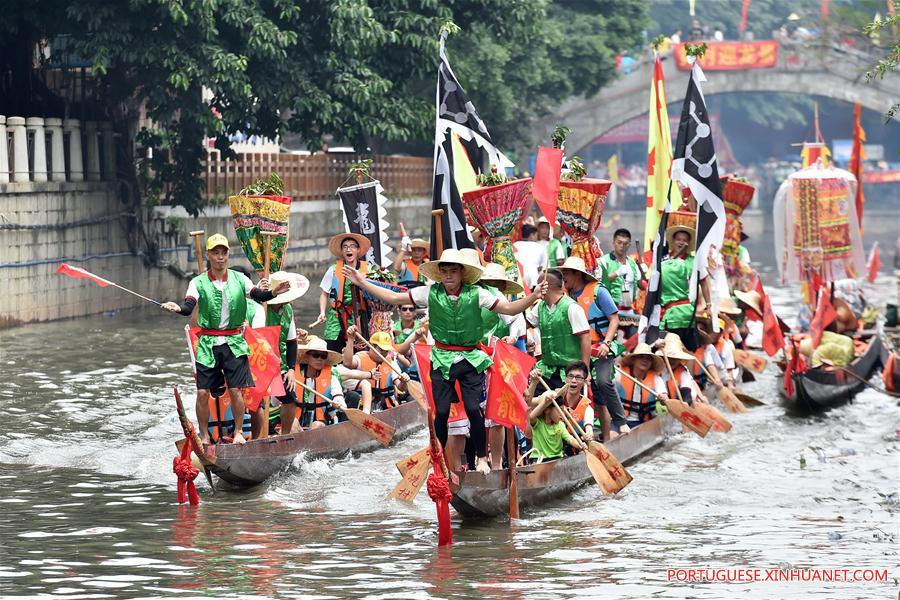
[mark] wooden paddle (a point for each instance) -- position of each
(405, 464)
(732, 404)
(413, 478)
(748, 399)
(414, 388)
(707, 413)
(375, 427)
(596, 450)
(749, 360)
(680, 410)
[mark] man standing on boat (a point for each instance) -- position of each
(454, 314)
(222, 353)
(621, 276)
(677, 314)
(339, 303)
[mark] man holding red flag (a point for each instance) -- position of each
(222, 351)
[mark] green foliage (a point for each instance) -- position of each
(559, 135)
(698, 50)
(273, 186)
(361, 169)
(489, 179)
(890, 62)
(576, 171)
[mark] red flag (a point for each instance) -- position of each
(79, 273)
(545, 186)
(824, 316)
(773, 337)
(857, 154)
(789, 374)
(874, 265)
(744, 10)
(509, 379)
(422, 356)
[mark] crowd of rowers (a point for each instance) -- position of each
(573, 321)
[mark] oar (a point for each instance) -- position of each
(414, 388)
(190, 436)
(620, 475)
(861, 380)
(680, 410)
(375, 427)
(708, 413)
(732, 404)
(749, 360)
(197, 247)
(747, 399)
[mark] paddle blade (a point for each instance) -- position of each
(405, 464)
(417, 392)
(375, 427)
(601, 475)
(412, 481)
(719, 422)
(748, 400)
(688, 417)
(732, 404)
(754, 362)
(616, 470)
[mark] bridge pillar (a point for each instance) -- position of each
(57, 153)
(38, 148)
(76, 160)
(20, 149)
(93, 150)
(4, 145)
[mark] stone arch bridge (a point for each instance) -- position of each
(829, 70)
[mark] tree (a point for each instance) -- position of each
(890, 62)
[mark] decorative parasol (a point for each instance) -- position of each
(258, 208)
(580, 211)
(736, 194)
(498, 211)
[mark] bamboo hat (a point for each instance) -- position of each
(673, 348)
(751, 299)
(317, 344)
(576, 263)
(682, 220)
(728, 307)
(419, 243)
(643, 349)
(473, 257)
(452, 256)
(334, 245)
(299, 286)
(494, 273)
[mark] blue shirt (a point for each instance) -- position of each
(600, 309)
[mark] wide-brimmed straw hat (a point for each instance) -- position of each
(671, 231)
(316, 344)
(673, 348)
(473, 257)
(576, 263)
(751, 299)
(494, 273)
(432, 270)
(334, 245)
(643, 349)
(299, 286)
(728, 307)
(419, 243)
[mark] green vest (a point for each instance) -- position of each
(559, 345)
(553, 248)
(491, 321)
(401, 336)
(676, 278)
(609, 265)
(209, 313)
(283, 319)
(456, 324)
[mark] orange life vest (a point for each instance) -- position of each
(413, 269)
(584, 301)
(645, 409)
(380, 385)
(322, 385)
(672, 383)
(337, 292)
(578, 412)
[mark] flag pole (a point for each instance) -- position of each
(438, 230)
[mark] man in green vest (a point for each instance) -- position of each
(221, 297)
(622, 277)
(677, 314)
(339, 303)
(454, 315)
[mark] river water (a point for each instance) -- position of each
(88, 504)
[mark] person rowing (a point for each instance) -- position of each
(317, 368)
(454, 314)
(646, 367)
(680, 379)
(379, 390)
(220, 295)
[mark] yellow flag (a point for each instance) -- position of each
(659, 158)
(463, 172)
(612, 167)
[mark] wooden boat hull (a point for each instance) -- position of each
(819, 389)
(479, 495)
(245, 465)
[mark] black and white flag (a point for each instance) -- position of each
(456, 114)
(648, 328)
(695, 167)
(364, 211)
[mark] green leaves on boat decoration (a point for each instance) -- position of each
(273, 186)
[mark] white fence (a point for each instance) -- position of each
(77, 151)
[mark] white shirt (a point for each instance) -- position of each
(327, 280)
(219, 284)
(533, 257)
(419, 297)
(577, 318)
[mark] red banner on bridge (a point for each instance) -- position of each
(732, 56)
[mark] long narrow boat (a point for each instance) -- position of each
(246, 465)
(822, 388)
(479, 495)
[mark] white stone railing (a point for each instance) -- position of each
(77, 151)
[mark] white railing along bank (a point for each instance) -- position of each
(72, 145)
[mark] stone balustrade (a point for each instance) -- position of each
(38, 149)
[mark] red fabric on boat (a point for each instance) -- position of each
(186, 473)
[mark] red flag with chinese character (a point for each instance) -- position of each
(874, 265)
(773, 337)
(79, 273)
(825, 315)
(545, 187)
(509, 380)
(265, 363)
(422, 356)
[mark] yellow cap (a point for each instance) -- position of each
(382, 341)
(216, 240)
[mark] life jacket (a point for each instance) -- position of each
(700, 356)
(221, 418)
(340, 298)
(310, 402)
(578, 412)
(644, 409)
(559, 345)
(672, 383)
(599, 322)
(381, 387)
(411, 272)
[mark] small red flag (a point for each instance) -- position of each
(422, 356)
(773, 336)
(874, 265)
(824, 316)
(545, 186)
(508, 381)
(789, 374)
(79, 273)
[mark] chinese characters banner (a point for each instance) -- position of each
(365, 213)
(732, 56)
